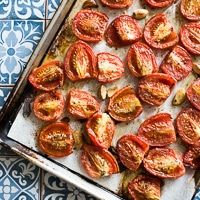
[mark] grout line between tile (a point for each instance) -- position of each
(7, 86)
(41, 185)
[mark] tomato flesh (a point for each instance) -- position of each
(117, 4)
(158, 3)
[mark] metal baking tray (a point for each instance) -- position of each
(57, 35)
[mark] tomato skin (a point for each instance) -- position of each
(193, 94)
(114, 71)
(158, 4)
(177, 69)
(117, 5)
(155, 88)
(152, 32)
(87, 59)
(164, 163)
(186, 122)
(141, 54)
(116, 108)
(89, 25)
(160, 123)
(48, 76)
(56, 139)
(44, 109)
(189, 34)
(90, 162)
(108, 130)
(126, 147)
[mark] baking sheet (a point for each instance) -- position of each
(24, 129)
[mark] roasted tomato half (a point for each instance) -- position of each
(158, 130)
(131, 150)
(101, 128)
(193, 94)
(80, 62)
(141, 60)
(48, 106)
(191, 157)
(188, 126)
(124, 105)
(190, 37)
(159, 4)
(159, 33)
(178, 63)
(155, 88)
(89, 25)
(145, 188)
(56, 139)
(98, 162)
(116, 4)
(164, 163)
(191, 9)
(48, 76)
(122, 31)
(110, 67)
(81, 104)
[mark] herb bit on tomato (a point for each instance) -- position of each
(124, 105)
(116, 4)
(98, 162)
(48, 76)
(159, 4)
(56, 139)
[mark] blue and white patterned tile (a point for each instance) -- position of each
(52, 6)
(18, 39)
(4, 93)
(22, 9)
(197, 196)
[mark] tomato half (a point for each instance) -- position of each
(89, 25)
(158, 130)
(178, 63)
(159, 33)
(131, 150)
(56, 139)
(124, 105)
(48, 76)
(48, 106)
(188, 126)
(145, 188)
(159, 4)
(81, 104)
(193, 94)
(141, 60)
(122, 31)
(80, 62)
(98, 162)
(191, 9)
(101, 128)
(190, 37)
(116, 4)
(155, 88)
(164, 163)
(110, 67)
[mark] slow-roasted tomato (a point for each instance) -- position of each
(101, 128)
(141, 60)
(158, 3)
(81, 104)
(193, 94)
(191, 9)
(56, 139)
(188, 126)
(110, 67)
(48, 106)
(159, 33)
(178, 63)
(164, 163)
(48, 76)
(131, 150)
(191, 157)
(145, 188)
(122, 31)
(158, 130)
(190, 37)
(124, 105)
(89, 25)
(116, 4)
(155, 88)
(98, 162)
(80, 62)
